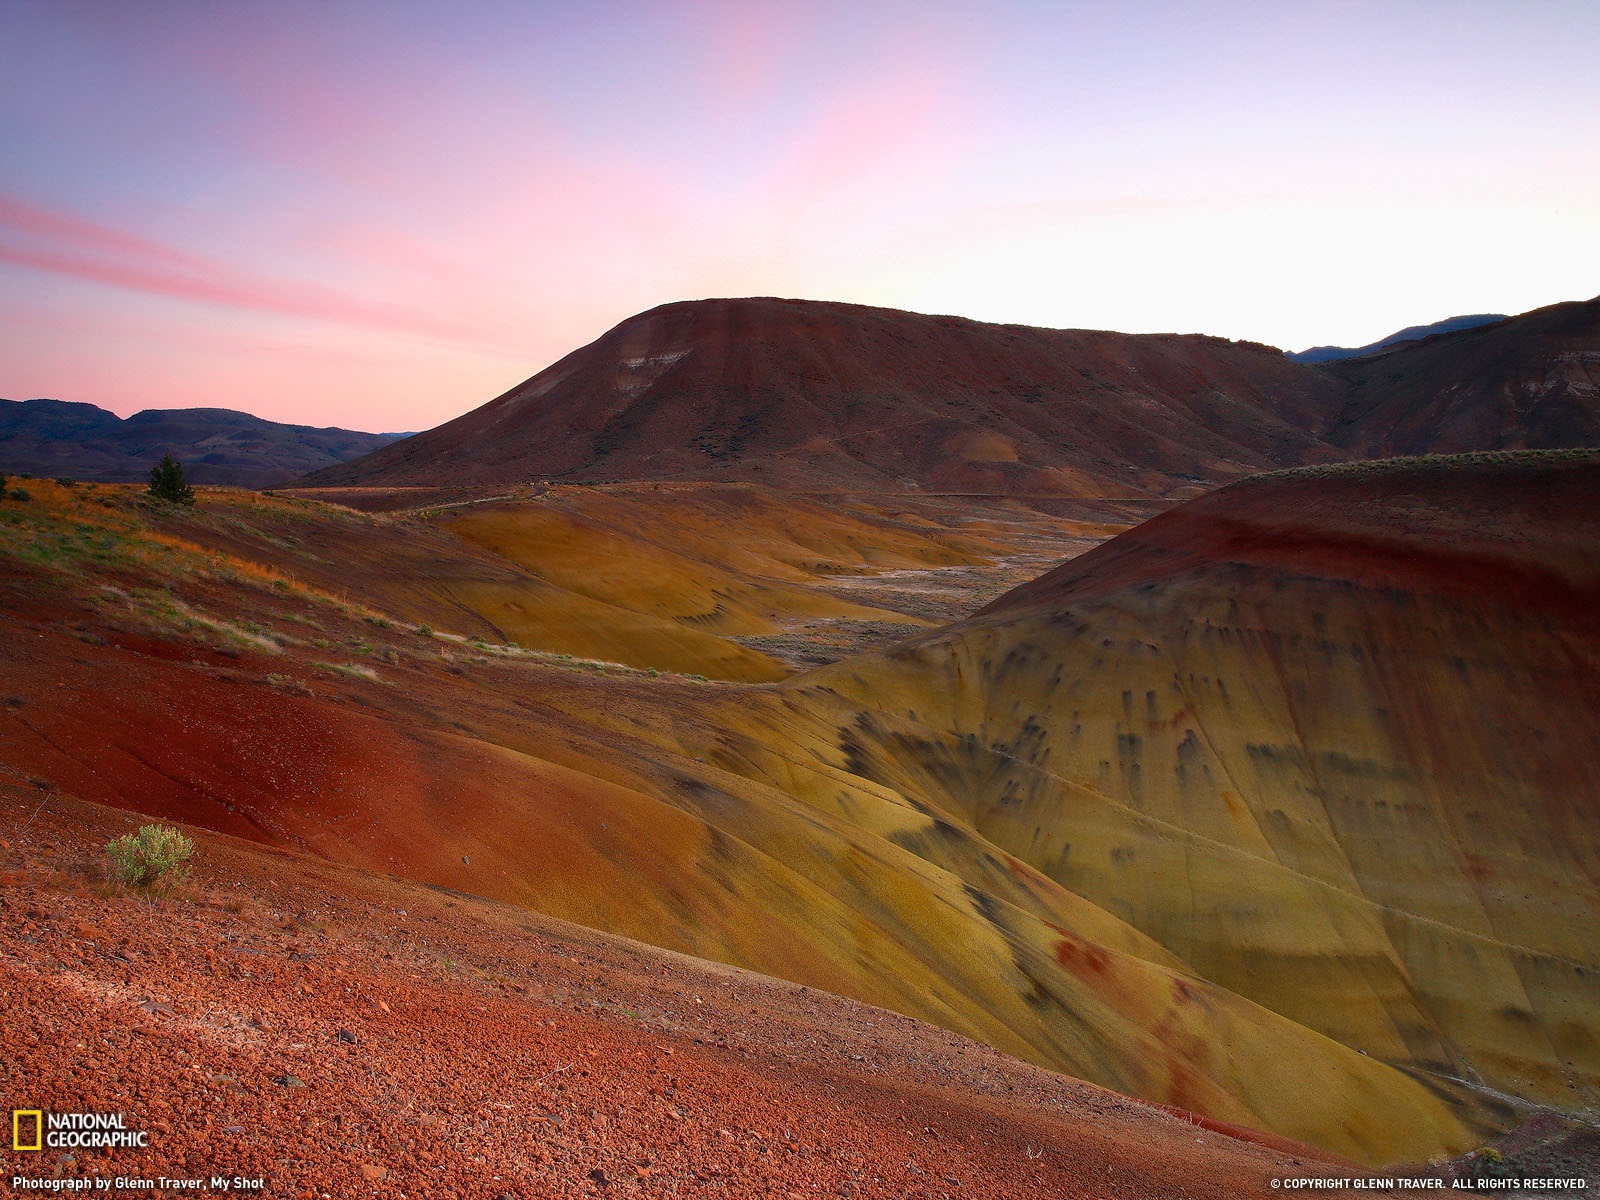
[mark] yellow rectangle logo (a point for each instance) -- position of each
(16, 1128)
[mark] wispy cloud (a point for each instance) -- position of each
(63, 244)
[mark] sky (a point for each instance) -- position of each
(382, 214)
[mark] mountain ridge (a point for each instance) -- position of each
(821, 396)
(1411, 333)
(73, 439)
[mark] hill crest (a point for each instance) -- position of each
(818, 395)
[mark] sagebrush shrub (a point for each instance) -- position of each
(157, 856)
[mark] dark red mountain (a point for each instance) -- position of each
(812, 395)
(806, 394)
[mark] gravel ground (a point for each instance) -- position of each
(332, 1033)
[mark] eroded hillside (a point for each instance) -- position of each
(1327, 739)
(1274, 809)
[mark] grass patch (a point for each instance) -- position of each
(354, 670)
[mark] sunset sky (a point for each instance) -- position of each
(382, 214)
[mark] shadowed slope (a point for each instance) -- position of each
(810, 394)
(1531, 381)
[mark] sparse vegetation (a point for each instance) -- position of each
(287, 683)
(167, 482)
(355, 670)
(155, 860)
(1488, 1163)
(1371, 467)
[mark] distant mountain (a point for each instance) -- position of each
(215, 445)
(809, 395)
(1413, 333)
(815, 395)
(1530, 382)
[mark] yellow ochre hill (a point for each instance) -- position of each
(1326, 739)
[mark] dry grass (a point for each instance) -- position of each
(1372, 468)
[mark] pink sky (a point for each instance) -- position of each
(382, 215)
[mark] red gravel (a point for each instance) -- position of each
(342, 1034)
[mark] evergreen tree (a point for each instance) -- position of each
(166, 481)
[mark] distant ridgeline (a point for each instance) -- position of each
(59, 439)
(1412, 333)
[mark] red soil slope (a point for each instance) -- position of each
(336, 1033)
(819, 395)
(1520, 531)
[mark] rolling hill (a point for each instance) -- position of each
(1275, 808)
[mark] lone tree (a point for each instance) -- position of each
(166, 481)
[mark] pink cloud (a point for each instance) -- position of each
(61, 244)
(29, 222)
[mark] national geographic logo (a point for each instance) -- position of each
(35, 1129)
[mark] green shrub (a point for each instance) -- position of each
(167, 482)
(21, 494)
(1489, 1163)
(157, 857)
